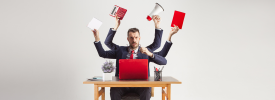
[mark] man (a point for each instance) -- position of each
(123, 53)
(155, 45)
(157, 41)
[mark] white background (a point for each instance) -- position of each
(225, 50)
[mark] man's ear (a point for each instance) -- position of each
(127, 38)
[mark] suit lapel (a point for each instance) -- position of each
(124, 53)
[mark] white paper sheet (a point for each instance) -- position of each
(94, 24)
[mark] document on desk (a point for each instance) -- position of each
(94, 24)
(96, 78)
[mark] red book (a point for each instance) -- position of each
(120, 12)
(178, 19)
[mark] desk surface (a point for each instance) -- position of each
(150, 80)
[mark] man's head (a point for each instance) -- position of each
(133, 38)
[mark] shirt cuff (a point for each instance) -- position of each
(153, 56)
(159, 29)
(113, 29)
(96, 41)
(169, 41)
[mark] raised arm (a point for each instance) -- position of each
(109, 39)
(101, 52)
(168, 43)
(158, 34)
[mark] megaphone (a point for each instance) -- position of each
(155, 11)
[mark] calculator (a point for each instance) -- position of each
(119, 11)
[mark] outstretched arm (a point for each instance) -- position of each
(158, 59)
(164, 51)
(153, 57)
(109, 39)
(158, 34)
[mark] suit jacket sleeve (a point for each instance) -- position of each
(164, 51)
(157, 59)
(104, 54)
(157, 41)
(109, 40)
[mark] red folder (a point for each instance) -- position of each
(178, 19)
(133, 68)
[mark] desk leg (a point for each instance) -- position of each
(168, 91)
(163, 93)
(95, 92)
(103, 93)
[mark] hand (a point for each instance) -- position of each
(144, 50)
(173, 31)
(117, 22)
(96, 35)
(156, 20)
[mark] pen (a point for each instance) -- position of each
(162, 68)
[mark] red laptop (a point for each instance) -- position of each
(133, 68)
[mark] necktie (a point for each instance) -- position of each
(132, 54)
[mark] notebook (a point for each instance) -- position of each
(119, 11)
(133, 68)
(178, 19)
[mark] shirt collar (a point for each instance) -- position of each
(134, 50)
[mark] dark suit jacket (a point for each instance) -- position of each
(155, 45)
(122, 51)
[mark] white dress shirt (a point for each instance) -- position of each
(130, 52)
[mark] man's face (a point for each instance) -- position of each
(133, 39)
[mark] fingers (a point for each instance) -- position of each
(175, 27)
(117, 18)
(94, 31)
(143, 50)
(156, 17)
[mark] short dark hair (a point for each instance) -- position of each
(133, 30)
